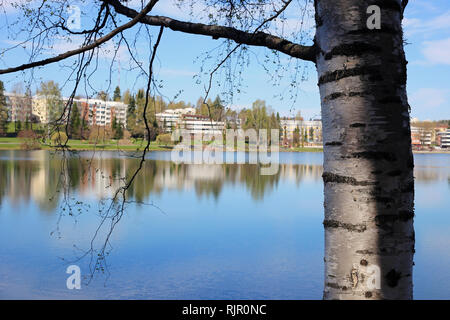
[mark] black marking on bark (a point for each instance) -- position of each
(368, 252)
(357, 125)
(394, 173)
(335, 286)
(352, 49)
(383, 30)
(356, 94)
(375, 155)
(388, 219)
(347, 226)
(392, 278)
(409, 187)
(384, 199)
(334, 95)
(405, 215)
(333, 143)
(391, 99)
(319, 21)
(390, 5)
(363, 262)
(329, 177)
(372, 71)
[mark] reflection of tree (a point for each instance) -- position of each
(16, 173)
(40, 176)
(257, 184)
(428, 176)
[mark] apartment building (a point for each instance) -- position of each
(196, 124)
(444, 139)
(19, 107)
(420, 137)
(186, 118)
(311, 129)
(170, 118)
(101, 113)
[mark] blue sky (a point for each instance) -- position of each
(427, 32)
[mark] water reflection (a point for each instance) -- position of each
(229, 233)
(42, 176)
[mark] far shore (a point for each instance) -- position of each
(77, 145)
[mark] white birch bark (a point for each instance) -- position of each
(368, 163)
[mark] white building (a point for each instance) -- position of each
(170, 118)
(187, 119)
(95, 111)
(445, 139)
(101, 113)
(420, 136)
(311, 129)
(196, 124)
(19, 107)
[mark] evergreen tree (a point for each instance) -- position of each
(279, 125)
(3, 111)
(131, 115)
(217, 109)
(75, 122)
(117, 96)
(296, 137)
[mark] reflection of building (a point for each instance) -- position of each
(311, 131)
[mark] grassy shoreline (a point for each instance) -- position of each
(78, 145)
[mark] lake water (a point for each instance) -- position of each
(188, 231)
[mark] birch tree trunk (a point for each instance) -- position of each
(368, 162)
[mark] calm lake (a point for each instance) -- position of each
(188, 231)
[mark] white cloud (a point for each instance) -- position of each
(429, 98)
(9, 7)
(414, 26)
(437, 51)
(177, 72)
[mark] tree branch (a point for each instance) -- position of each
(96, 43)
(261, 39)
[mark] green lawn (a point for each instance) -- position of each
(7, 143)
(9, 146)
(10, 140)
(300, 149)
(12, 129)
